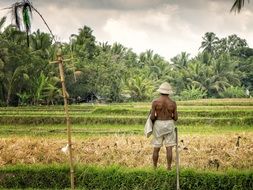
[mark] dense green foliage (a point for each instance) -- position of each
(114, 73)
(56, 177)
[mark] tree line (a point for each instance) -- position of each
(114, 73)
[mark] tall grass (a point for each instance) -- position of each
(120, 178)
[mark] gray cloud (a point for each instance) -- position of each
(130, 4)
(105, 4)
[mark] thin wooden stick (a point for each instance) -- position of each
(64, 92)
(177, 159)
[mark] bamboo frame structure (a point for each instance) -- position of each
(60, 61)
(65, 96)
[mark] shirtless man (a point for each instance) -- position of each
(163, 115)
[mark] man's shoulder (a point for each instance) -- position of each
(155, 101)
(172, 102)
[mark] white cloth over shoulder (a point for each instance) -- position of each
(148, 129)
(163, 127)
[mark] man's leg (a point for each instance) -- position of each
(169, 157)
(156, 156)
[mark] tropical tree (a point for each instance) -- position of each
(22, 13)
(40, 41)
(83, 44)
(209, 43)
(23, 98)
(245, 66)
(2, 21)
(146, 57)
(13, 79)
(52, 92)
(181, 60)
(14, 57)
(233, 92)
(192, 93)
(224, 74)
(139, 88)
(39, 85)
(237, 6)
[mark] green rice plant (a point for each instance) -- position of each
(119, 178)
(121, 120)
(245, 102)
(218, 102)
(85, 131)
(114, 112)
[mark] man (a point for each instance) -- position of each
(163, 115)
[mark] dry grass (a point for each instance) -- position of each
(198, 151)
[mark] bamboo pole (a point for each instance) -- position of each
(177, 159)
(64, 92)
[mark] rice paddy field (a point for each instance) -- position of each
(215, 139)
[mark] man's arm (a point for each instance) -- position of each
(175, 115)
(153, 116)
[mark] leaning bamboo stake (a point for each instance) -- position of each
(177, 159)
(27, 3)
(65, 94)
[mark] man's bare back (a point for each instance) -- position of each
(163, 108)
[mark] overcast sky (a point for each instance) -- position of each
(166, 26)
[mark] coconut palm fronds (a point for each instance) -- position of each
(22, 14)
(237, 6)
(2, 21)
(16, 16)
(27, 13)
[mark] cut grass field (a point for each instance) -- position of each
(105, 135)
(196, 151)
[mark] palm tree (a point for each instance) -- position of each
(234, 43)
(146, 57)
(12, 79)
(139, 88)
(40, 41)
(104, 46)
(22, 14)
(118, 49)
(209, 43)
(2, 21)
(51, 91)
(223, 75)
(84, 43)
(237, 6)
(181, 60)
